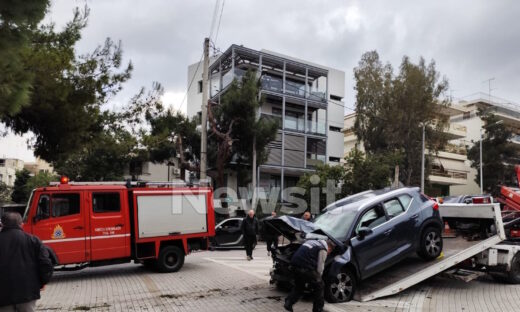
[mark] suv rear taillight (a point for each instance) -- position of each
(435, 206)
(481, 200)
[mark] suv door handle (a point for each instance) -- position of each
(415, 216)
(77, 228)
(387, 232)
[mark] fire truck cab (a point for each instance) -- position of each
(98, 223)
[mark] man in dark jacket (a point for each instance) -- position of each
(25, 266)
(308, 263)
(249, 231)
(271, 240)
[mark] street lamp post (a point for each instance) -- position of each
(422, 158)
(481, 165)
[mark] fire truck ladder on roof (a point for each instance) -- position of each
(129, 184)
(477, 211)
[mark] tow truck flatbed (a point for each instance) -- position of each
(414, 270)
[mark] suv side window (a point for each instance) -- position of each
(393, 207)
(372, 218)
(105, 202)
(43, 211)
(65, 204)
(405, 201)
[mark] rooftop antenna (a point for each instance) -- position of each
(489, 87)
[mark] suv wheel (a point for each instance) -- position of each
(171, 259)
(431, 243)
(341, 288)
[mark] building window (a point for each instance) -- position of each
(466, 115)
(334, 129)
(200, 86)
(334, 159)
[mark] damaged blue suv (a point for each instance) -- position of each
(373, 230)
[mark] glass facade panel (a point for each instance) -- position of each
(294, 117)
(294, 88)
(316, 121)
(318, 89)
(272, 83)
(315, 152)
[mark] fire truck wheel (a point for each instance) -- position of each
(171, 259)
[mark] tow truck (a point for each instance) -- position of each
(464, 257)
(100, 223)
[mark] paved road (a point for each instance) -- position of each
(225, 281)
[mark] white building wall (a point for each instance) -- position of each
(8, 168)
(335, 113)
(194, 98)
(473, 126)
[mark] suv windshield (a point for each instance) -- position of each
(336, 222)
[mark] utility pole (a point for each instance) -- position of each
(204, 119)
(422, 158)
(481, 165)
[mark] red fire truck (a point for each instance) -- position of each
(100, 223)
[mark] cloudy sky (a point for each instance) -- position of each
(471, 41)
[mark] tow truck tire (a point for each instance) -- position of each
(341, 288)
(513, 276)
(431, 243)
(171, 259)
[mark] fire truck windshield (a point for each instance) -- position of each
(26, 213)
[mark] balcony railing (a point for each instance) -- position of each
(276, 118)
(314, 160)
(272, 83)
(316, 127)
(294, 88)
(455, 148)
(453, 174)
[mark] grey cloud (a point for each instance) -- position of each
(469, 40)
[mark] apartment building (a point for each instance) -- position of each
(506, 111)
(449, 166)
(306, 99)
(8, 168)
(39, 166)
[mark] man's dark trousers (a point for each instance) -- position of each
(302, 277)
(249, 242)
(270, 242)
